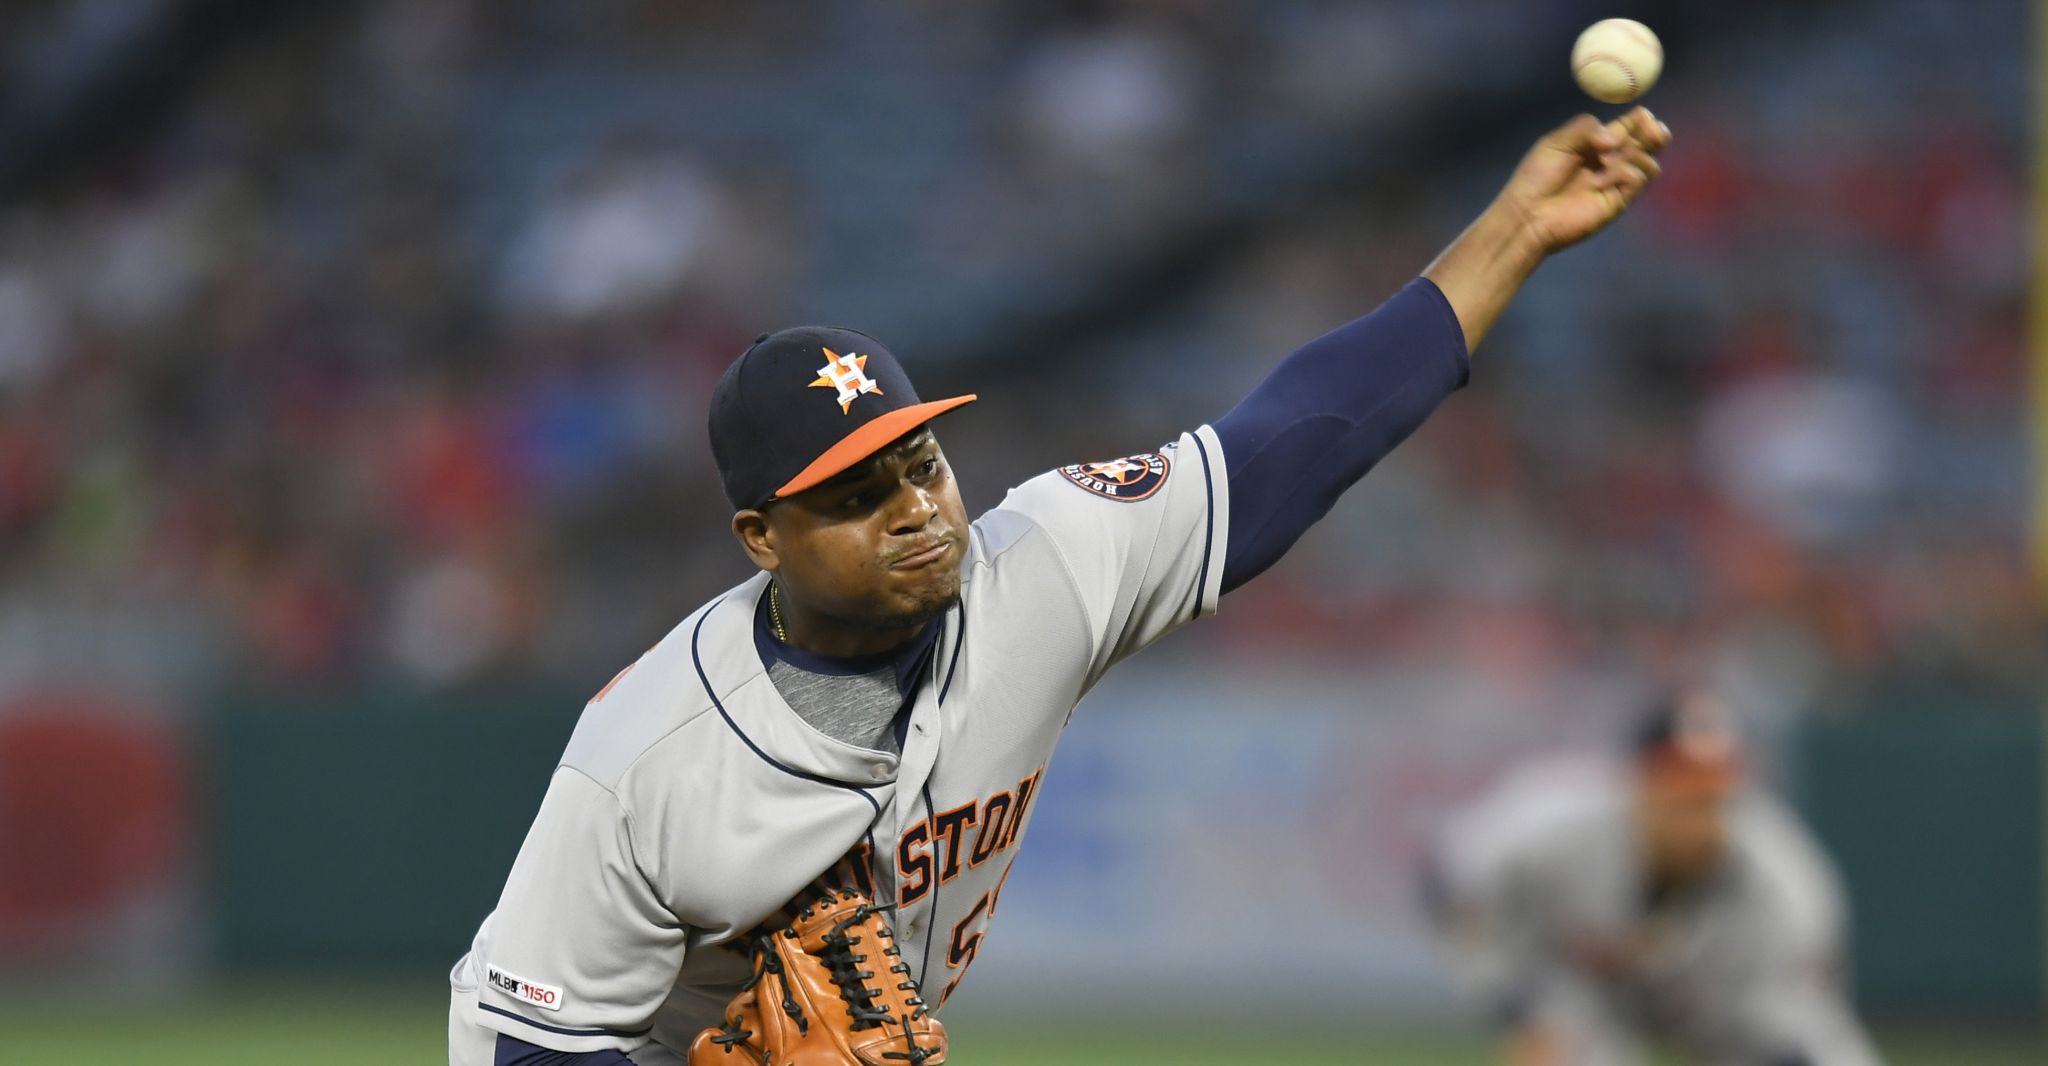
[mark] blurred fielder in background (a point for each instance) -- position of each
(1594, 906)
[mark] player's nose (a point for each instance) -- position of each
(914, 508)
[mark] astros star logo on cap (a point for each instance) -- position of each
(772, 437)
(848, 374)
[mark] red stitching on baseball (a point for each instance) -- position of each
(1626, 70)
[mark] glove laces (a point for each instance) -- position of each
(844, 964)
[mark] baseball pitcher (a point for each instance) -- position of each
(783, 833)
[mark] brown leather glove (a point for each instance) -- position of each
(831, 989)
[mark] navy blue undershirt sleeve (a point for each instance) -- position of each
(513, 1052)
(1327, 414)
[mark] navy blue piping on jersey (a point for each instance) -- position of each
(933, 929)
(560, 1029)
(1208, 529)
(1327, 414)
(697, 660)
(512, 1051)
(874, 854)
(959, 641)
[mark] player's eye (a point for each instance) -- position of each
(928, 468)
(866, 498)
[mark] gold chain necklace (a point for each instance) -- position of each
(775, 613)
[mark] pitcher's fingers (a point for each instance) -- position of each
(1585, 135)
(1643, 128)
(1629, 164)
(1643, 160)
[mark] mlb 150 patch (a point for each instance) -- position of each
(546, 997)
(1131, 478)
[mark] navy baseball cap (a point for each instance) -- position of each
(1689, 731)
(806, 403)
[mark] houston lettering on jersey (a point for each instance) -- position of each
(934, 851)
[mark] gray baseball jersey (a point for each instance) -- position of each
(692, 803)
(1540, 897)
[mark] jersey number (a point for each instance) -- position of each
(965, 945)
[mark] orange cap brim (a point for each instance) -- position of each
(870, 438)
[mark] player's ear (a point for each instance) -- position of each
(757, 538)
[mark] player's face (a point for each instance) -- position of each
(878, 548)
(1684, 825)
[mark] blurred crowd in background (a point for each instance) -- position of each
(381, 359)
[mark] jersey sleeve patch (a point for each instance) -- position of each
(546, 997)
(1126, 480)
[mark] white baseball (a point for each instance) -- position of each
(1617, 60)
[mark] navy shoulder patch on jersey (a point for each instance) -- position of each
(1130, 478)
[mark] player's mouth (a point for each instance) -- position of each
(919, 558)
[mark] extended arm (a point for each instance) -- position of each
(1339, 404)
